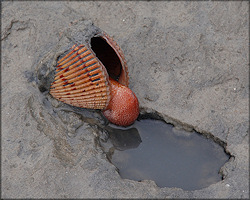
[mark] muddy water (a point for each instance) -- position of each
(154, 150)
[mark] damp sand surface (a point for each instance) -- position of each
(187, 61)
(154, 150)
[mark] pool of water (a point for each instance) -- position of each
(153, 150)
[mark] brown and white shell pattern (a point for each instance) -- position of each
(82, 75)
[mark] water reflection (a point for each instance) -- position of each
(154, 150)
(123, 139)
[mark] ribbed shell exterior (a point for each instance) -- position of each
(81, 80)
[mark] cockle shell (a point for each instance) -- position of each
(93, 74)
(82, 75)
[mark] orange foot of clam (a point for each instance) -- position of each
(123, 108)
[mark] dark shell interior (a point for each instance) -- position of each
(111, 56)
(106, 54)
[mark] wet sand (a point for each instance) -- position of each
(188, 64)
